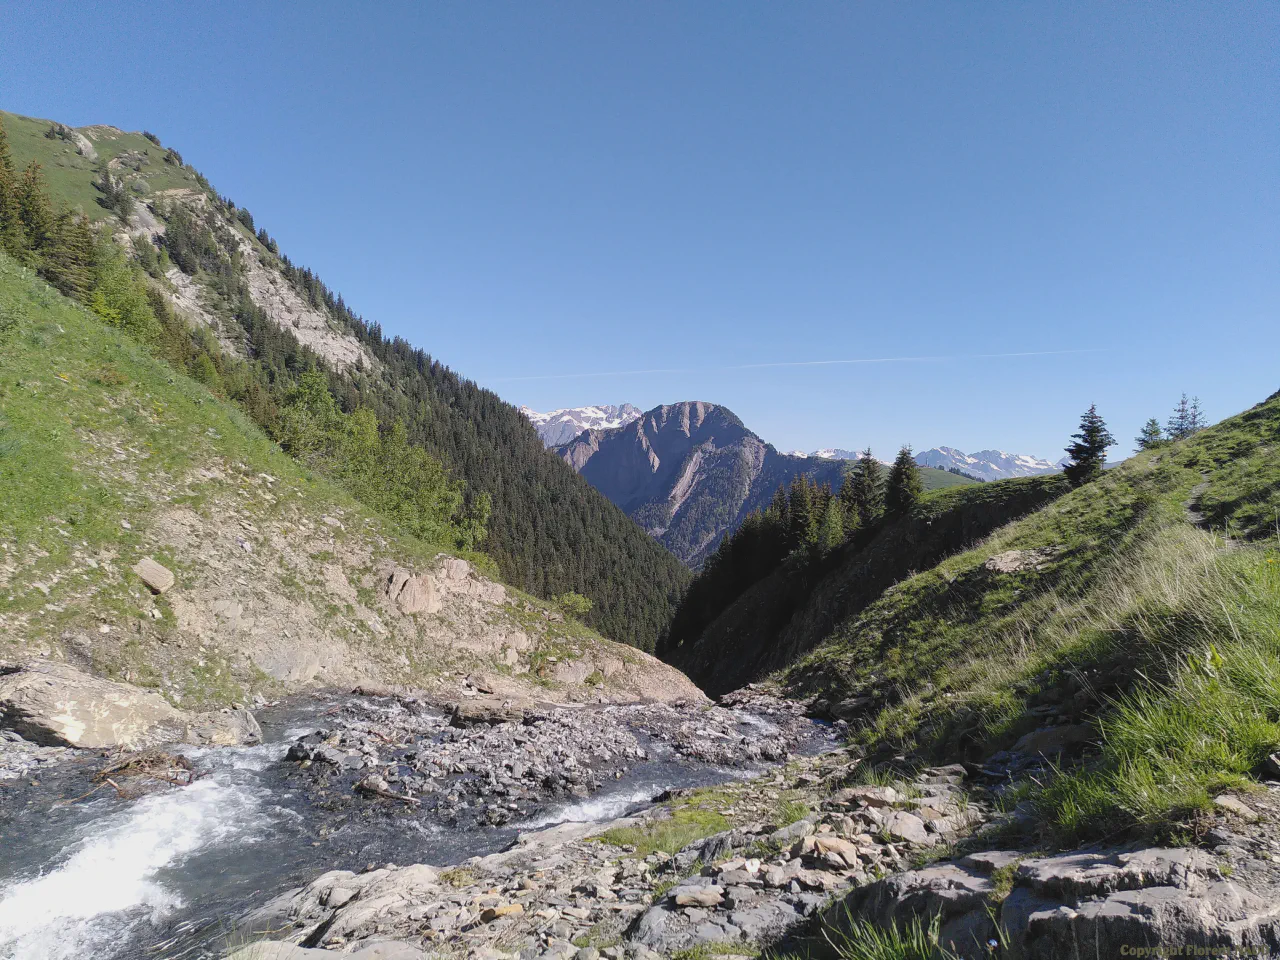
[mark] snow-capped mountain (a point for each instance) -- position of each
(835, 453)
(560, 426)
(987, 464)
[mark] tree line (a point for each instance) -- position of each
(804, 523)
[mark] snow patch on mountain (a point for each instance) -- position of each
(987, 464)
(557, 427)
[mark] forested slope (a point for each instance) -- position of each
(257, 322)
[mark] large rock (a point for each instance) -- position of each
(489, 710)
(342, 907)
(56, 705)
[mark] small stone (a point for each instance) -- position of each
(505, 910)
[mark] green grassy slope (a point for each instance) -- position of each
(935, 479)
(1150, 609)
(107, 455)
(70, 175)
(786, 614)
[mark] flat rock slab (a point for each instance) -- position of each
(156, 576)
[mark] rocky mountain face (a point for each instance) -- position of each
(558, 427)
(687, 473)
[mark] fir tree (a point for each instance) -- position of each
(1187, 419)
(13, 238)
(34, 208)
(67, 257)
(803, 516)
(1151, 436)
(905, 486)
(1089, 451)
(831, 532)
(1197, 420)
(865, 485)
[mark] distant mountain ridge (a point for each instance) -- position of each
(987, 464)
(557, 427)
(689, 473)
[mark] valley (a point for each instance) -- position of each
(311, 647)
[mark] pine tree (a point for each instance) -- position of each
(865, 484)
(13, 238)
(831, 532)
(1184, 421)
(800, 508)
(34, 208)
(1089, 451)
(1196, 420)
(1151, 436)
(905, 486)
(67, 257)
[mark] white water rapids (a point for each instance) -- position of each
(107, 879)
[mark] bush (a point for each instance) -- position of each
(573, 604)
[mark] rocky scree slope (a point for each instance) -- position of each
(689, 473)
(779, 619)
(113, 466)
(548, 531)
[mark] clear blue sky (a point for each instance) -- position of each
(535, 189)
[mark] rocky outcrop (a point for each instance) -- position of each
(1105, 903)
(52, 704)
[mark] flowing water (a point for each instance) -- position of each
(166, 875)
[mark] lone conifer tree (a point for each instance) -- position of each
(1089, 451)
(905, 486)
(1151, 435)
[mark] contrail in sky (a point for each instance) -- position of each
(794, 363)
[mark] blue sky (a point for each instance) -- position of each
(564, 190)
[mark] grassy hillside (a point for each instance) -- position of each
(107, 455)
(792, 609)
(70, 174)
(261, 321)
(1145, 604)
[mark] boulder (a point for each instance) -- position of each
(491, 710)
(56, 705)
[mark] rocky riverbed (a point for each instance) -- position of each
(112, 858)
